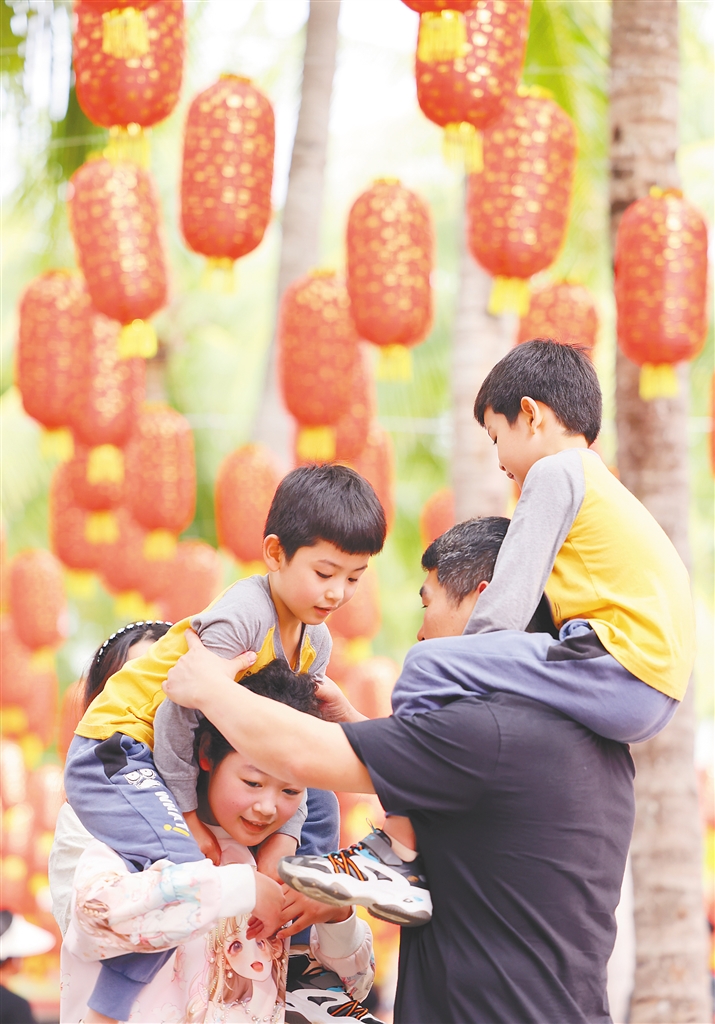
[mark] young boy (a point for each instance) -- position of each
(323, 525)
(618, 591)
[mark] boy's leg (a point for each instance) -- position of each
(116, 792)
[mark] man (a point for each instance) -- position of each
(522, 818)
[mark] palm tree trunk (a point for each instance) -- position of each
(671, 980)
(480, 340)
(300, 245)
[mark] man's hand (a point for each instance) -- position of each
(335, 706)
(268, 911)
(300, 912)
(271, 851)
(197, 670)
(208, 843)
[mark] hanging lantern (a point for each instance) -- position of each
(369, 686)
(55, 321)
(518, 207)
(437, 515)
(360, 619)
(96, 497)
(135, 581)
(102, 415)
(443, 33)
(71, 711)
(245, 484)
(563, 312)
(467, 94)
(376, 463)
(128, 65)
(353, 427)
(114, 216)
(161, 478)
(37, 599)
(195, 577)
(69, 532)
(227, 173)
(318, 347)
(661, 270)
(390, 254)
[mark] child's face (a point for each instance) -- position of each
(316, 581)
(442, 615)
(247, 803)
(248, 958)
(517, 445)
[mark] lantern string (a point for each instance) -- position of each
(218, 275)
(462, 147)
(128, 144)
(509, 295)
(394, 364)
(125, 34)
(442, 36)
(657, 381)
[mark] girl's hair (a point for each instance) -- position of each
(110, 657)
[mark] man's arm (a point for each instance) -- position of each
(277, 739)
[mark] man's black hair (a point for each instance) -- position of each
(277, 681)
(560, 376)
(466, 554)
(329, 502)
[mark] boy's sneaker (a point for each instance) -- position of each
(368, 873)
(316, 994)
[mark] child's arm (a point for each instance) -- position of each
(346, 948)
(552, 496)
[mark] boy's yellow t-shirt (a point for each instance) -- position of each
(579, 535)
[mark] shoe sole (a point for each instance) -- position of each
(336, 890)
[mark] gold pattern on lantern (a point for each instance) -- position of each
(442, 36)
(125, 33)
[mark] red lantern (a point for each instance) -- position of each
(69, 526)
(563, 312)
(518, 208)
(369, 686)
(437, 515)
(353, 427)
(318, 347)
(114, 216)
(195, 576)
(376, 463)
(125, 32)
(443, 34)
(105, 406)
(37, 598)
(161, 477)
(71, 711)
(245, 484)
(29, 689)
(227, 171)
(390, 250)
(360, 619)
(467, 94)
(55, 322)
(117, 89)
(661, 270)
(135, 580)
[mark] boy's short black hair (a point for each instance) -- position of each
(277, 681)
(466, 554)
(328, 502)
(560, 376)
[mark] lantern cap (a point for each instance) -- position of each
(235, 78)
(656, 192)
(536, 92)
(387, 181)
(322, 272)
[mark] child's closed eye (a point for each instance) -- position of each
(323, 575)
(252, 783)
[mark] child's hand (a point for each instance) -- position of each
(273, 849)
(335, 706)
(300, 912)
(208, 843)
(268, 911)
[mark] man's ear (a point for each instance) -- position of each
(532, 411)
(482, 587)
(273, 553)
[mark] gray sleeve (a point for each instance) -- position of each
(294, 825)
(550, 500)
(174, 729)
(323, 645)
(237, 621)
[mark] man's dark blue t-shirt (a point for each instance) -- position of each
(523, 818)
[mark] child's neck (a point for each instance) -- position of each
(290, 626)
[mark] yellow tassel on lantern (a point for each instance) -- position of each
(395, 363)
(316, 444)
(443, 36)
(462, 146)
(101, 528)
(128, 145)
(125, 33)
(32, 750)
(254, 568)
(14, 868)
(137, 339)
(13, 721)
(358, 649)
(218, 275)
(509, 295)
(57, 444)
(105, 464)
(38, 881)
(42, 660)
(130, 606)
(159, 546)
(80, 583)
(657, 380)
